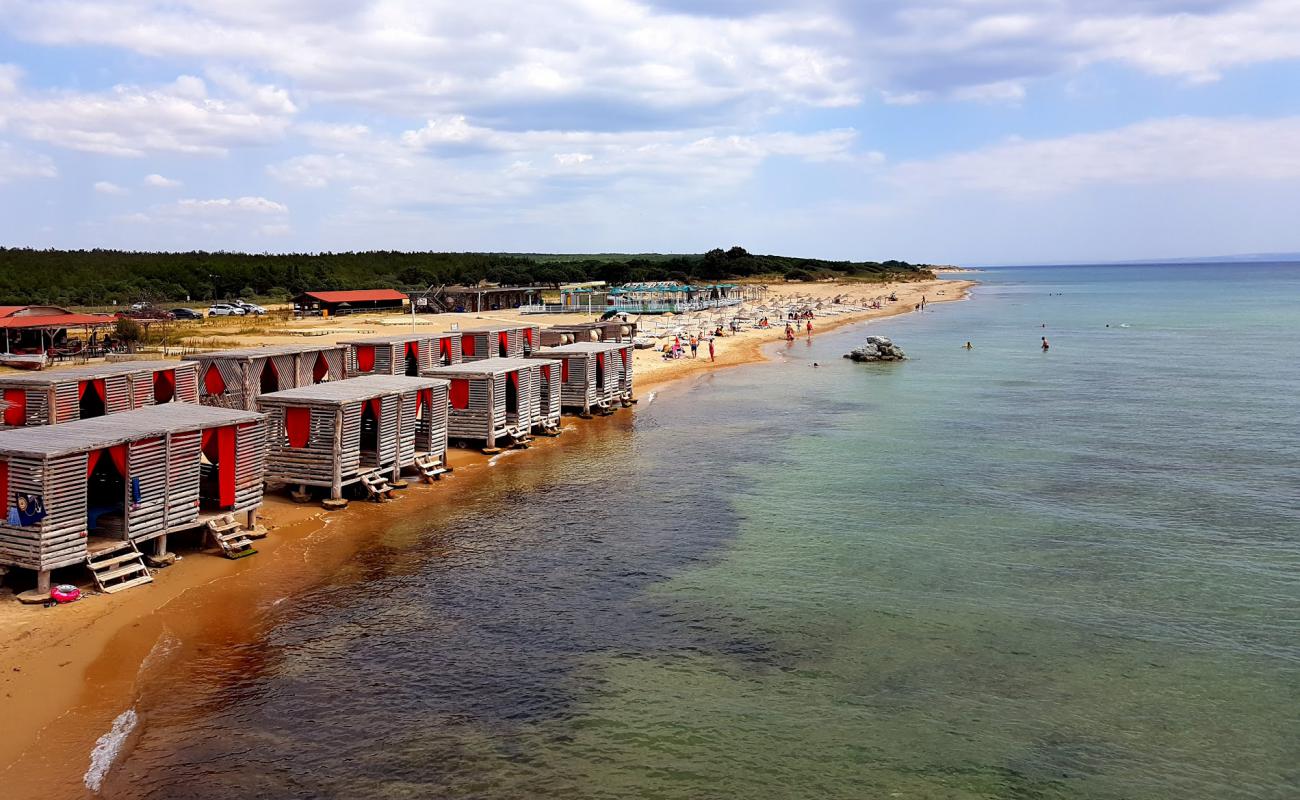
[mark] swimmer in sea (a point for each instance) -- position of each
(970, 346)
(1045, 344)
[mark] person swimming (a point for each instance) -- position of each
(970, 346)
(1045, 344)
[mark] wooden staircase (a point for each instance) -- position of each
(430, 467)
(118, 566)
(376, 485)
(230, 537)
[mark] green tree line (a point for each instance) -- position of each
(101, 277)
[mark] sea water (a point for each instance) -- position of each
(994, 572)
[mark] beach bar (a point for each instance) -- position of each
(493, 401)
(65, 395)
(363, 430)
(90, 491)
(235, 378)
(499, 341)
(401, 354)
(590, 375)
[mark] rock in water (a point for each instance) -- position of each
(876, 348)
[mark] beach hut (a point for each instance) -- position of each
(401, 354)
(92, 490)
(235, 378)
(362, 431)
(493, 401)
(499, 341)
(590, 375)
(625, 364)
(547, 419)
(58, 396)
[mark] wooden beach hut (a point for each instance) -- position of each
(401, 354)
(492, 401)
(590, 375)
(549, 372)
(65, 395)
(92, 490)
(235, 378)
(361, 431)
(499, 341)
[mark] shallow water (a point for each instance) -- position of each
(985, 573)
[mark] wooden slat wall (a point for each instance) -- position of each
(142, 390)
(250, 464)
(431, 430)
(147, 461)
(350, 454)
(232, 374)
(183, 480)
(549, 409)
(67, 397)
(187, 383)
(311, 465)
(19, 546)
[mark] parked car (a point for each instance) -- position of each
(225, 310)
(250, 308)
(140, 306)
(186, 313)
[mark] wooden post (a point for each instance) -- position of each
(251, 520)
(492, 412)
(336, 488)
(397, 450)
(43, 581)
(160, 546)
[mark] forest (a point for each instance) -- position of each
(102, 277)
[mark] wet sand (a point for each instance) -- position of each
(67, 673)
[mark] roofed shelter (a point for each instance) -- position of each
(492, 400)
(589, 375)
(65, 395)
(34, 334)
(401, 354)
(332, 303)
(498, 341)
(356, 431)
(235, 378)
(67, 490)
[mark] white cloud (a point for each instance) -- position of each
(131, 121)
(16, 164)
(224, 206)
(104, 187)
(159, 182)
(1156, 151)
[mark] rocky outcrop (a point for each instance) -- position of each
(876, 348)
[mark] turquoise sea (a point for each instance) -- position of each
(994, 573)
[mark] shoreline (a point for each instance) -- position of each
(66, 674)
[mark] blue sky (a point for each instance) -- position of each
(969, 131)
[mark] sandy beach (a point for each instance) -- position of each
(67, 673)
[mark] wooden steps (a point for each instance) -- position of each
(429, 467)
(376, 485)
(118, 566)
(230, 537)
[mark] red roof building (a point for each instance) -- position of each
(331, 303)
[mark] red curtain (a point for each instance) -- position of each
(413, 349)
(212, 380)
(503, 341)
(564, 370)
(16, 406)
(546, 372)
(118, 454)
(513, 377)
(365, 358)
(97, 385)
(376, 404)
(297, 424)
(321, 369)
(458, 395)
(92, 458)
(626, 352)
(600, 360)
(164, 386)
(528, 335)
(467, 344)
(226, 474)
(444, 347)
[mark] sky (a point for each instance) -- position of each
(966, 132)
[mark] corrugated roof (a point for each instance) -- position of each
(93, 371)
(127, 426)
(357, 296)
(353, 389)
(272, 350)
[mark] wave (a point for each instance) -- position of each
(107, 748)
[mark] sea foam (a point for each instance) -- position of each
(107, 748)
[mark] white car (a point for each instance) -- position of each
(225, 310)
(251, 308)
(140, 306)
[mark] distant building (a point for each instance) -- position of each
(481, 298)
(334, 303)
(34, 333)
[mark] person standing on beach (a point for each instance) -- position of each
(789, 332)
(695, 346)
(810, 326)
(711, 358)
